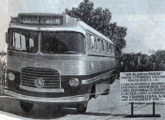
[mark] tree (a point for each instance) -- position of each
(135, 62)
(100, 19)
(158, 59)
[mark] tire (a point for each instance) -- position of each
(26, 107)
(81, 108)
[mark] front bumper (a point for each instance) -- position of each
(68, 99)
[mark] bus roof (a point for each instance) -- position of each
(51, 21)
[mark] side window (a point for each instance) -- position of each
(106, 46)
(12, 40)
(111, 48)
(31, 43)
(23, 41)
(99, 45)
(96, 43)
(88, 42)
(102, 44)
(17, 41)
(93, 43)
(92, 39)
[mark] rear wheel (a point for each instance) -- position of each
(26, 107)
(81, 108)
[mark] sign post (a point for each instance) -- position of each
(141, 115)
(142, 87)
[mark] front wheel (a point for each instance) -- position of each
(26, 107)
(81, 108)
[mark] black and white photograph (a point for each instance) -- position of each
(82, 60)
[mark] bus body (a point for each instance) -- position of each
(54, 58)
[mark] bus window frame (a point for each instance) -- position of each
(10, 33)
(107, 49)
(100, 46)
(103, 47)
(91, 49)
(92, 39)
(40, 43)
(96, 44)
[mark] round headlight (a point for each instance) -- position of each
(11, 76)
(74, 82)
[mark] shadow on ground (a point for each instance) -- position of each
(40, 111)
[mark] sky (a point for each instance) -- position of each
(144, 19)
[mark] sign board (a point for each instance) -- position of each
(142, 86)
(40, 19)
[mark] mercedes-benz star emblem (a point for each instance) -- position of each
(39, 82)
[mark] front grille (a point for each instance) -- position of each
(50, 77)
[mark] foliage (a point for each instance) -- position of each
(135, 62)
(158, 60)
(131, 62)
(100, 19)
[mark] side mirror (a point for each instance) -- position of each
(7, 37)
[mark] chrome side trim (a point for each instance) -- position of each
(32, 89)
(94, 79)
(69, 99)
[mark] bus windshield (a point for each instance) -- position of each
(23, 40)
(63, 42)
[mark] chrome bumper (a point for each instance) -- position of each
(69, 99)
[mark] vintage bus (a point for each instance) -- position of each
(55, 58)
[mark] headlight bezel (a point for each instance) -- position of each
(11, 76)
(74, 82)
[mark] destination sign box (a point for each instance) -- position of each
(29, 20)
(142, 86)
(51, 21)
(40, 20)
